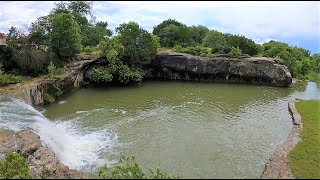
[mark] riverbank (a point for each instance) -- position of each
(304, 159)
(277, 166)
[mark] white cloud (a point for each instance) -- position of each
(260, 20)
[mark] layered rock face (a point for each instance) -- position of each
(42, 161)
(249, 70)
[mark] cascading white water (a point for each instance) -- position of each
(72, 145)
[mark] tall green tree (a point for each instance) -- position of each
(65, 36)
(246, 45)
(139, 45)
(215, 40)
(198, 33)
(165, 23)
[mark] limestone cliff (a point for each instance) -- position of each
(250, 70)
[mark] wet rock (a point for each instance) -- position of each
(42, 161)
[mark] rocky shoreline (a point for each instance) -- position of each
(277, 166)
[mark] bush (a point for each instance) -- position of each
(129, 169)
(53, 71)
(235, 52)
(177, 48)
(6, 79)
(210, 55)
(48, 98)
(88, 50)
(14, 166)
(127, 74)
(101, 75)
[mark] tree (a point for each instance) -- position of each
(115, 70)
(169, 35)
(198, 33)
(79, 10)
(96, 33)
(215, 40)
(246, 45)
(65, 36)
(139, 47)
(165, 23)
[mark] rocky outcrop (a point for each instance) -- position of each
(251, 70)
(39, 91)
(42, 161)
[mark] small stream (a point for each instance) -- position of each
(199, 130)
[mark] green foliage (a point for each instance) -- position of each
(155, 40)
(6, 79)
(215, 40)
(53, 71)
(113, 50)
(235, 52)
(101, 75)
(88, 49)
(129, 169)
(198, 33)
(65, 36)
(194, 50)
(14, 166)
(298, 60)
(304, 159)
(165, 23)
(139, 45)
(48, 99)
(246, 45)
(127, 74)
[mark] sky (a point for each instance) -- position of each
(296, 23)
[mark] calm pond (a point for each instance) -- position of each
(197, 130)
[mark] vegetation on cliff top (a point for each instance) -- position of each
(70, 29)
(14, 166)
(304, 159)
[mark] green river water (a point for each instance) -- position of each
(197, 130)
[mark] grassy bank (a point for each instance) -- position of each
(304, 159)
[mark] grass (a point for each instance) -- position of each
(304, 159)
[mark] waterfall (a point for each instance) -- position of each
(75, 147)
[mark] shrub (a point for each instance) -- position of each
(129, 169)
(88, 50)
(127, 74)
(177, 48)
(53, 71)
(48, 98)
(210, 55)
(14, 166)
(6, 79)
(101, 75)
(235, 52)
(203, 55)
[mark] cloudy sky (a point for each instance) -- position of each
(296, 23)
